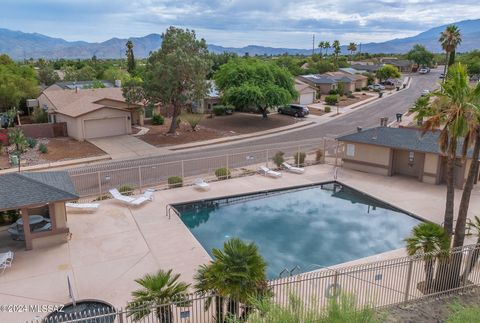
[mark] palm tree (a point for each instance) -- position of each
(431, 240)
(473, 227)
(336, 50)
(321, 45)
(450, 38)
(352, 47)
(326, 45)
(158, 289)
(236, 274)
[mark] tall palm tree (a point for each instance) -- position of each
(321, 45)
(450, 38)
(352, 47)
(326, 45)
(473, 227)
(236, 274)
(158, 289)
(336, 50)
(431, 240)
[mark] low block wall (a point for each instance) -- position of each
(42, 130)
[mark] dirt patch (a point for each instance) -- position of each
(65, 148)
(345, 101)
(316, 112)
(213, 128)
(431, 310)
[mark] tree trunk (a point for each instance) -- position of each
(445, 67)
(449, 203)
(173, 125)
(428, 275)
(264, 112)
(459, 237)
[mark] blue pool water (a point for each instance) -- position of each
(317, 225)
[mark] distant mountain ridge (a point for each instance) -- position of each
(21, 45)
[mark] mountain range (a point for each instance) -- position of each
(20, 45)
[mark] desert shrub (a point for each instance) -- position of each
(319, 156)
(31, 142)
(39, 115)
(278, 158)
(102, 198)
(193, 120)
(219, 110)
(332, 92)
(9, 217)
(331, 99)
(222, 173)
(175, 181)
(126, 189)
(300, 158)
(365, 88)
(351, 96)
(42, 148)
(327, 109)
(157, 119)
(358, 89)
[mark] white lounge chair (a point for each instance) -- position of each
(200, 184)
(293, 169)
(147, 196)
(268, 172)
(83, 206)
(120, 197)
(6, 259)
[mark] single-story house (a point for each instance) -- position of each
(403, 65)
(307, 94)
(91, 113)
(40, 198)
(213, 98)
(360, 81)
(325, 83)
(366, 68)
(400, 151)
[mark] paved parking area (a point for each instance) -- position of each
(126, 146)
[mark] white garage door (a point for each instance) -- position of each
(306, 98)
(97, 128)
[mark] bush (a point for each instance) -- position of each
(178, 121)
(31, 142)
(327, 109)
(126, 189)
(319, 156)
(365, 88)
(331, 99)
(193, 120)
(222, 173)
(157, 119)
(175, 181)
(278, 158)
(333, 92)
(39, 115)
(300, 158)
(43, 149)
(219, 110)
(351, 96)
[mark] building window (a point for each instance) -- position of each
(350, 150)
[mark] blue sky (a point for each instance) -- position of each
(276, 23)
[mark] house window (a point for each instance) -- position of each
(350, 150)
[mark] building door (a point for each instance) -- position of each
(408, 163)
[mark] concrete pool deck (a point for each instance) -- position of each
(117, 244)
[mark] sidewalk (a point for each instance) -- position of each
(59, 164)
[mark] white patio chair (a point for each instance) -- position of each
(6, 259)
(83, 206)
(120, 197)
(201, 185)
(293, 169)
(147, 196)
(268, 172)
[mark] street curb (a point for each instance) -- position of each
(65, 163)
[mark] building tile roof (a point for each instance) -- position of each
(400, 138)
(26, 189)
(325, 78)
(75, 103)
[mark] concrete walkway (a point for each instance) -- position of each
(120, 147)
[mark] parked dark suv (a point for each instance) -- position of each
(295, 110)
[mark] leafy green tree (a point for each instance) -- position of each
(177, 73)
(47, 75)
(420, 55)
(218, 60)
(17, 83)
(292, 64)
(158, 289)
(236, 274)
(450, 38)
(85, 73)
(17, 138)
(472, 61)
(112, 74)
(336, 50)
(133, 91)
(387, 71)
(428, 238)
(254, 83)
(131, 64)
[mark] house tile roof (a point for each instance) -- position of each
(301, 87)
(365, 67)
(75, 103)
(26, 189)
(400, 138)
(325, 78)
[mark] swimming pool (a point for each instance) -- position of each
(303, 227)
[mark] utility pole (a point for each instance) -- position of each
(360, 48)
(313, 44)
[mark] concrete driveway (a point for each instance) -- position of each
(126, 146)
